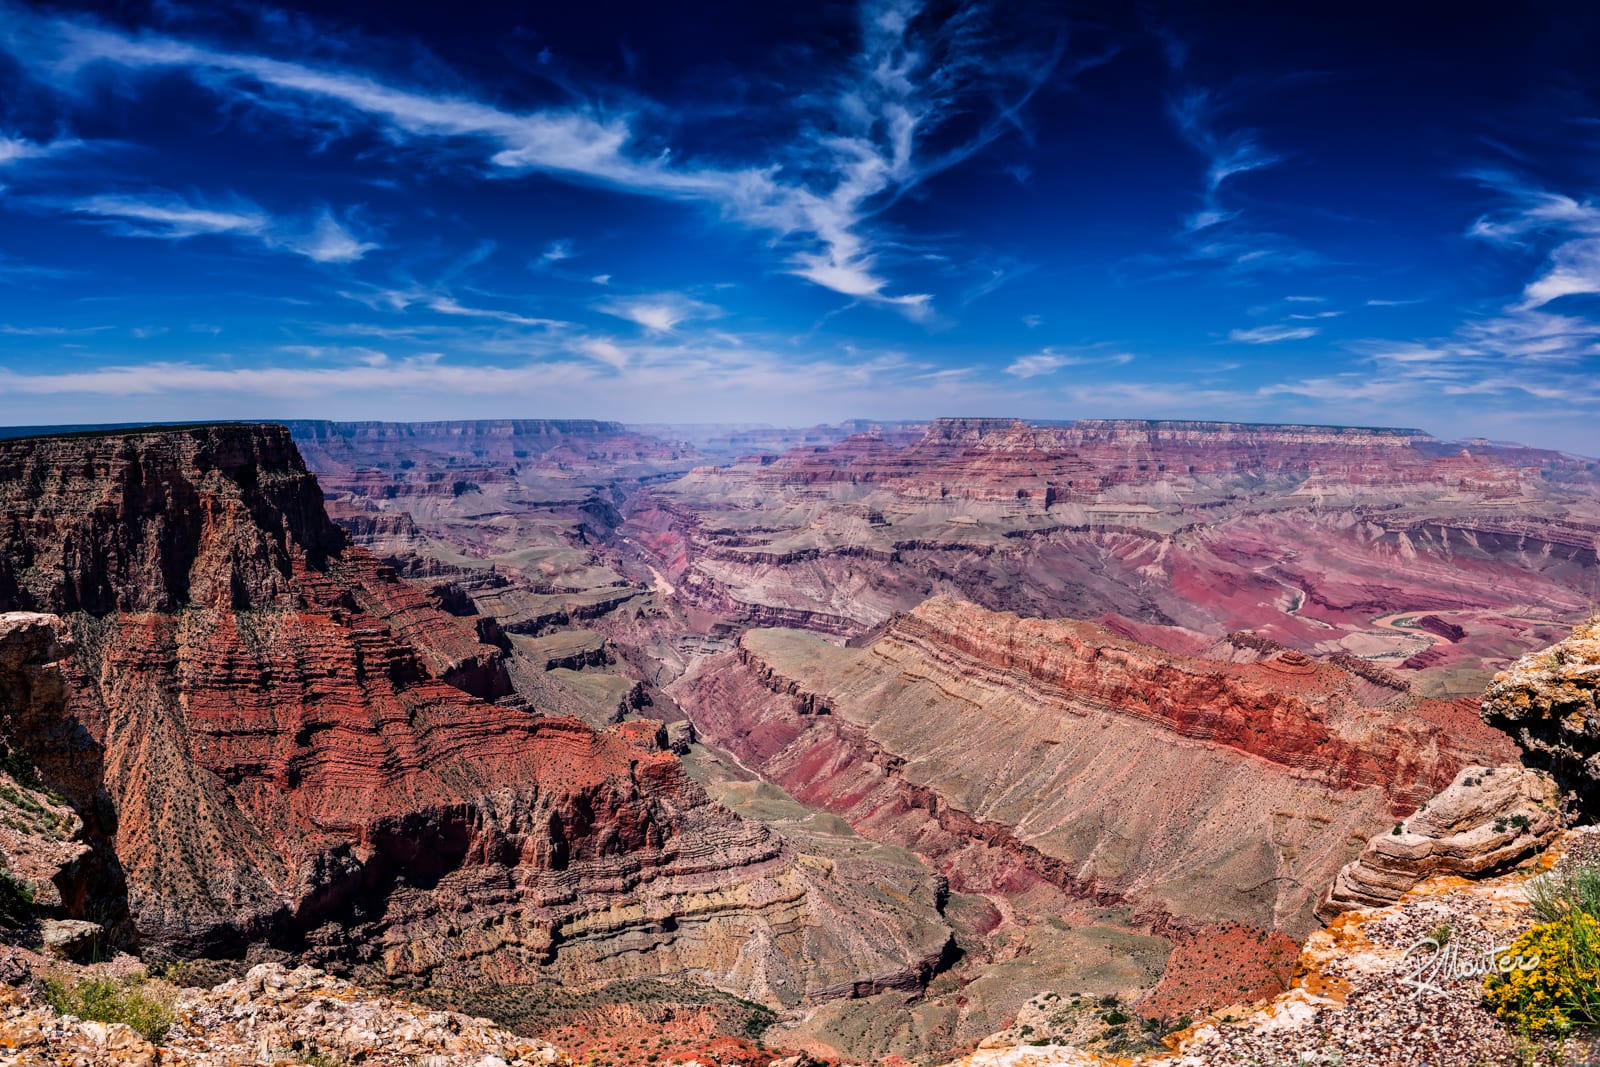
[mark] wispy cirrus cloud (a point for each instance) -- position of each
(659, 312)
(51, 331)
(1228, 153)
(1572, 227)
(17, 149)
(556, 251)
(168, 216)
(816, 198)
(1049, 360)
(1271, 335)
(440, 301)
(328, 241)
(1037, 364)
(1217, 232)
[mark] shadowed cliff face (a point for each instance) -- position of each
(57, 817)
(207, 517)
(285, 760)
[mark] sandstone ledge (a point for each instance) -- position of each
(1487, 819)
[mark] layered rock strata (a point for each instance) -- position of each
(284, 743)
(1384, 544)
(1023, 751)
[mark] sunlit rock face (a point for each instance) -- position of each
(1550, 702)
(1488, 819)
(1220, 786)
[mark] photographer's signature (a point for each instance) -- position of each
(1429, 963)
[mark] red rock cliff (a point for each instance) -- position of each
(282, 757)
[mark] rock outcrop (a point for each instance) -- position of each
(1550, 702)
(281, 743)
(1488, 819)
(52, 847)
(1368, 989)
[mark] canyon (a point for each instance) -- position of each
(882, 728)
(1329, 540)
(282, 745)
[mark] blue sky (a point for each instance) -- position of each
(802, 213)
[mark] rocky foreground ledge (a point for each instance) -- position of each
(273, 1015)
(1355, 998)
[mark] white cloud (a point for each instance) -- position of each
(1574, 269)
(165, 215)
(441, 302)
(1228, 154)
(1207, 218)
(861, 154)
(1049, 361)
(51, 331)
(327, 242)
(556, 252)
(1037, 364)
(697, 378)
(1271, 335)
(661, 312)
(171, 217)
(17, 149)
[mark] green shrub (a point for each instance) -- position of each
(1562, 989)
(1571, 887)
(758, 1022)
(108, 1000)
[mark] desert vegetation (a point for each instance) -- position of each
(134, 1001)
(1561, 989)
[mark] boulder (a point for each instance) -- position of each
(72, 939)
(1488, 819)
(680, 735)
